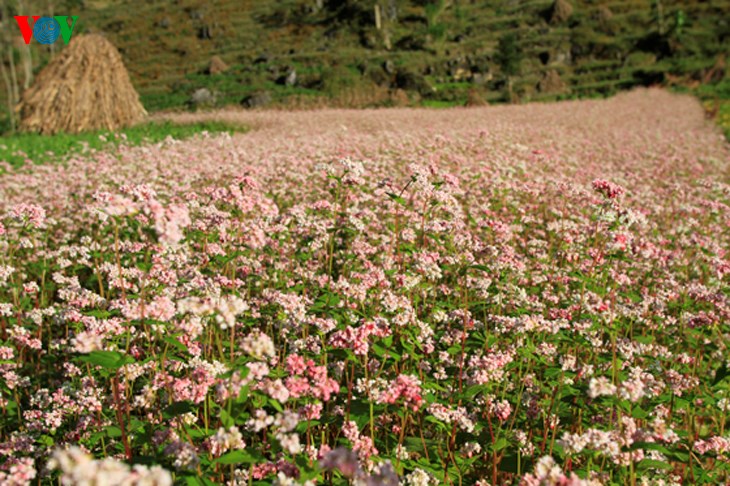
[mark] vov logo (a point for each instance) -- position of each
(46, 29)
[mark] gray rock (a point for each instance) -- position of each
(257, 100)
(389, 67)
(291, 78)
(202, 97)
(563, 57)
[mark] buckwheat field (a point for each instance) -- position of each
(531, 295)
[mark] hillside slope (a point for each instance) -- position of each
(433, 52)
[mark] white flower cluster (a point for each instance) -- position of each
(80, 469)
(258, 345)
(419, 477)
(226, 308)
(226, 440)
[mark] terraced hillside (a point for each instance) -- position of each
(370, 53)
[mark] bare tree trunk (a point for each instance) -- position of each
(27, 59)
(6, 42)
(50, 10)
(26, 55)
(8, 87)
(660, 16)
(13, 73)
(392, 10)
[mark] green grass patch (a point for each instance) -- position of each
(163, 101)
(17, 149)
(440, 104)
(723, 118)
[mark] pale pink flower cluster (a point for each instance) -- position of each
(601, 386)
(716, 444)
(548, 473)
(32, 214)
(357, 338)
(447, 415)
(225, 440)
(184, 455)
(258, 345)
(18, 472)
(170, 221)
(226, 308)
(605, 441)
(361, 444)
(489, 368)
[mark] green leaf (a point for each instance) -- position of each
(654, 464)
(99, 313)
(176, 344)
(236, 457)
(177, 408)
(110, 360)
(277, 406)
(46, 440)
(198, 481)
(397, 198)
(639, 413)
(381, 352)
(226, 419)
(500, 444)
(509, 464)
(136, 425)
(474, 390)
(721, 373)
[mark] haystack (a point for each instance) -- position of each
(561, 11)
(552, 83)
(85, 87)
(473, 98)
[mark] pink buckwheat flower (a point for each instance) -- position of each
(405, 387)
(30, 213)
(607, 189)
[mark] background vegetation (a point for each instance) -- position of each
(303, 53)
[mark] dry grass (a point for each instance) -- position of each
(85, 88)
